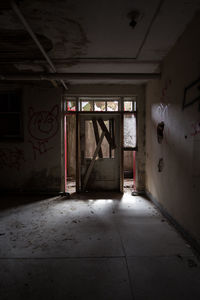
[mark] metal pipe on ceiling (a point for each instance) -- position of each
(34, 37)
(63, 61)
(77, 76)
(104, 60)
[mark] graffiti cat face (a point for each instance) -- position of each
(43, 125)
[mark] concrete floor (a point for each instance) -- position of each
(105, 247)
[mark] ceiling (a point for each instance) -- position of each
(115, 36)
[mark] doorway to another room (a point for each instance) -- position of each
(129, 146)
(129, 171)
(100, 143)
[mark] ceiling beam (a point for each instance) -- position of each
(75, 76)
(61, 61)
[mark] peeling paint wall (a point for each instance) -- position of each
(173, 162)
(34, 163)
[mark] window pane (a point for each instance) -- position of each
(10, 102)
(106, 149)
(9, 125)
(71, 105)
(112, 106)
(14, 102)
(128, 105)
(129, 130)
(86, 106)
(10, 116)
(90, 141)
(4, 102)
(99, 105)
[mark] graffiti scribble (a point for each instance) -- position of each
(162, 111)
(11, 158)
(196, 128)
(39, 147)
(42, 126)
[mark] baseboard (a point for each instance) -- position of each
(184, 233)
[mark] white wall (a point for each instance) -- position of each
(177, 187)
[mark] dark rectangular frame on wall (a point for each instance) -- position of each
(77, 111)
(11, 96)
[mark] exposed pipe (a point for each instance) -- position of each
(62, 61)
(34, 37)
(103, 60)
(75, 76)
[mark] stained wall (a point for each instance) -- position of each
(34, 163)
(173, 164)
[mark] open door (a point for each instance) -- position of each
(99, 152)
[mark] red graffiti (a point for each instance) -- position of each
(11, 158)
(39, 147)
(42, 126)
(196, 128)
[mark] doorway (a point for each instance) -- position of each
(100, 143)
(100, 155)
(129, 171)
(70, 153)
(129, 147)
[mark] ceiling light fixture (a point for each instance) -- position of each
(134, 16)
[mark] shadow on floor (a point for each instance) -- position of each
(15, 200)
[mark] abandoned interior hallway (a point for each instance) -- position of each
(91, 247)
(99, 122)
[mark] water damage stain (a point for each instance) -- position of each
(18, 44)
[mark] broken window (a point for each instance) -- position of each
(112, 106)
(100, 106)
(93, 132)
(86, 106)
(130, 104)
(71, 105)
(129, 131)
(10, 115)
